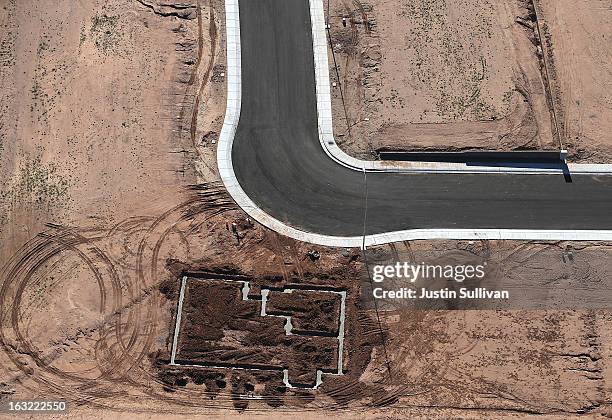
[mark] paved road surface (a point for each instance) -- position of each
(280, 164)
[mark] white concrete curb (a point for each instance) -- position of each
(326, 134)
(226, 140)
(226, 170)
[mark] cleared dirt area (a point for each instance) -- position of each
(91, 95)
(116, 328)
(99, 109)
(109, 117)
(580, 34)
(438, 75)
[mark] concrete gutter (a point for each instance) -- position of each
(328, 143)
(477, 157)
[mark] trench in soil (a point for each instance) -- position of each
(218, 300)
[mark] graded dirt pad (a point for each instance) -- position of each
(548, 360)
(519, 361)
(117, 325)
(438, 75)
(578, 275)
(92, 99)
(580, 38)
(116, 328)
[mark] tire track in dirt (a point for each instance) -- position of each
(187, 103)
(33, 256)
(212, 33)
(195, 105)
(124, 341)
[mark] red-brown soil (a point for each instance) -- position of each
(219, 328)
(578, 34)
(101, 137)
(439, 75)
(322, 317)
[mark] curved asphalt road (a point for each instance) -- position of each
(279, 162)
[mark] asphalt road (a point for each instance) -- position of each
(280, 164)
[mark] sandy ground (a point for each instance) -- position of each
(109, 111)
(467, 75)
(115, 328)
(558, 359)
(580, 35)
(92, 92)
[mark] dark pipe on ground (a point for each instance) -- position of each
(523, 156)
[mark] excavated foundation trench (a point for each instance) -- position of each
(293, 326)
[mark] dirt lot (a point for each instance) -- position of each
(117, 326)
(109, 112)
(467, 75)
(101, 98)
(581, 39)
(97, 139)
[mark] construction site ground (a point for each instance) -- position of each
(109, 194)
(438, 75)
